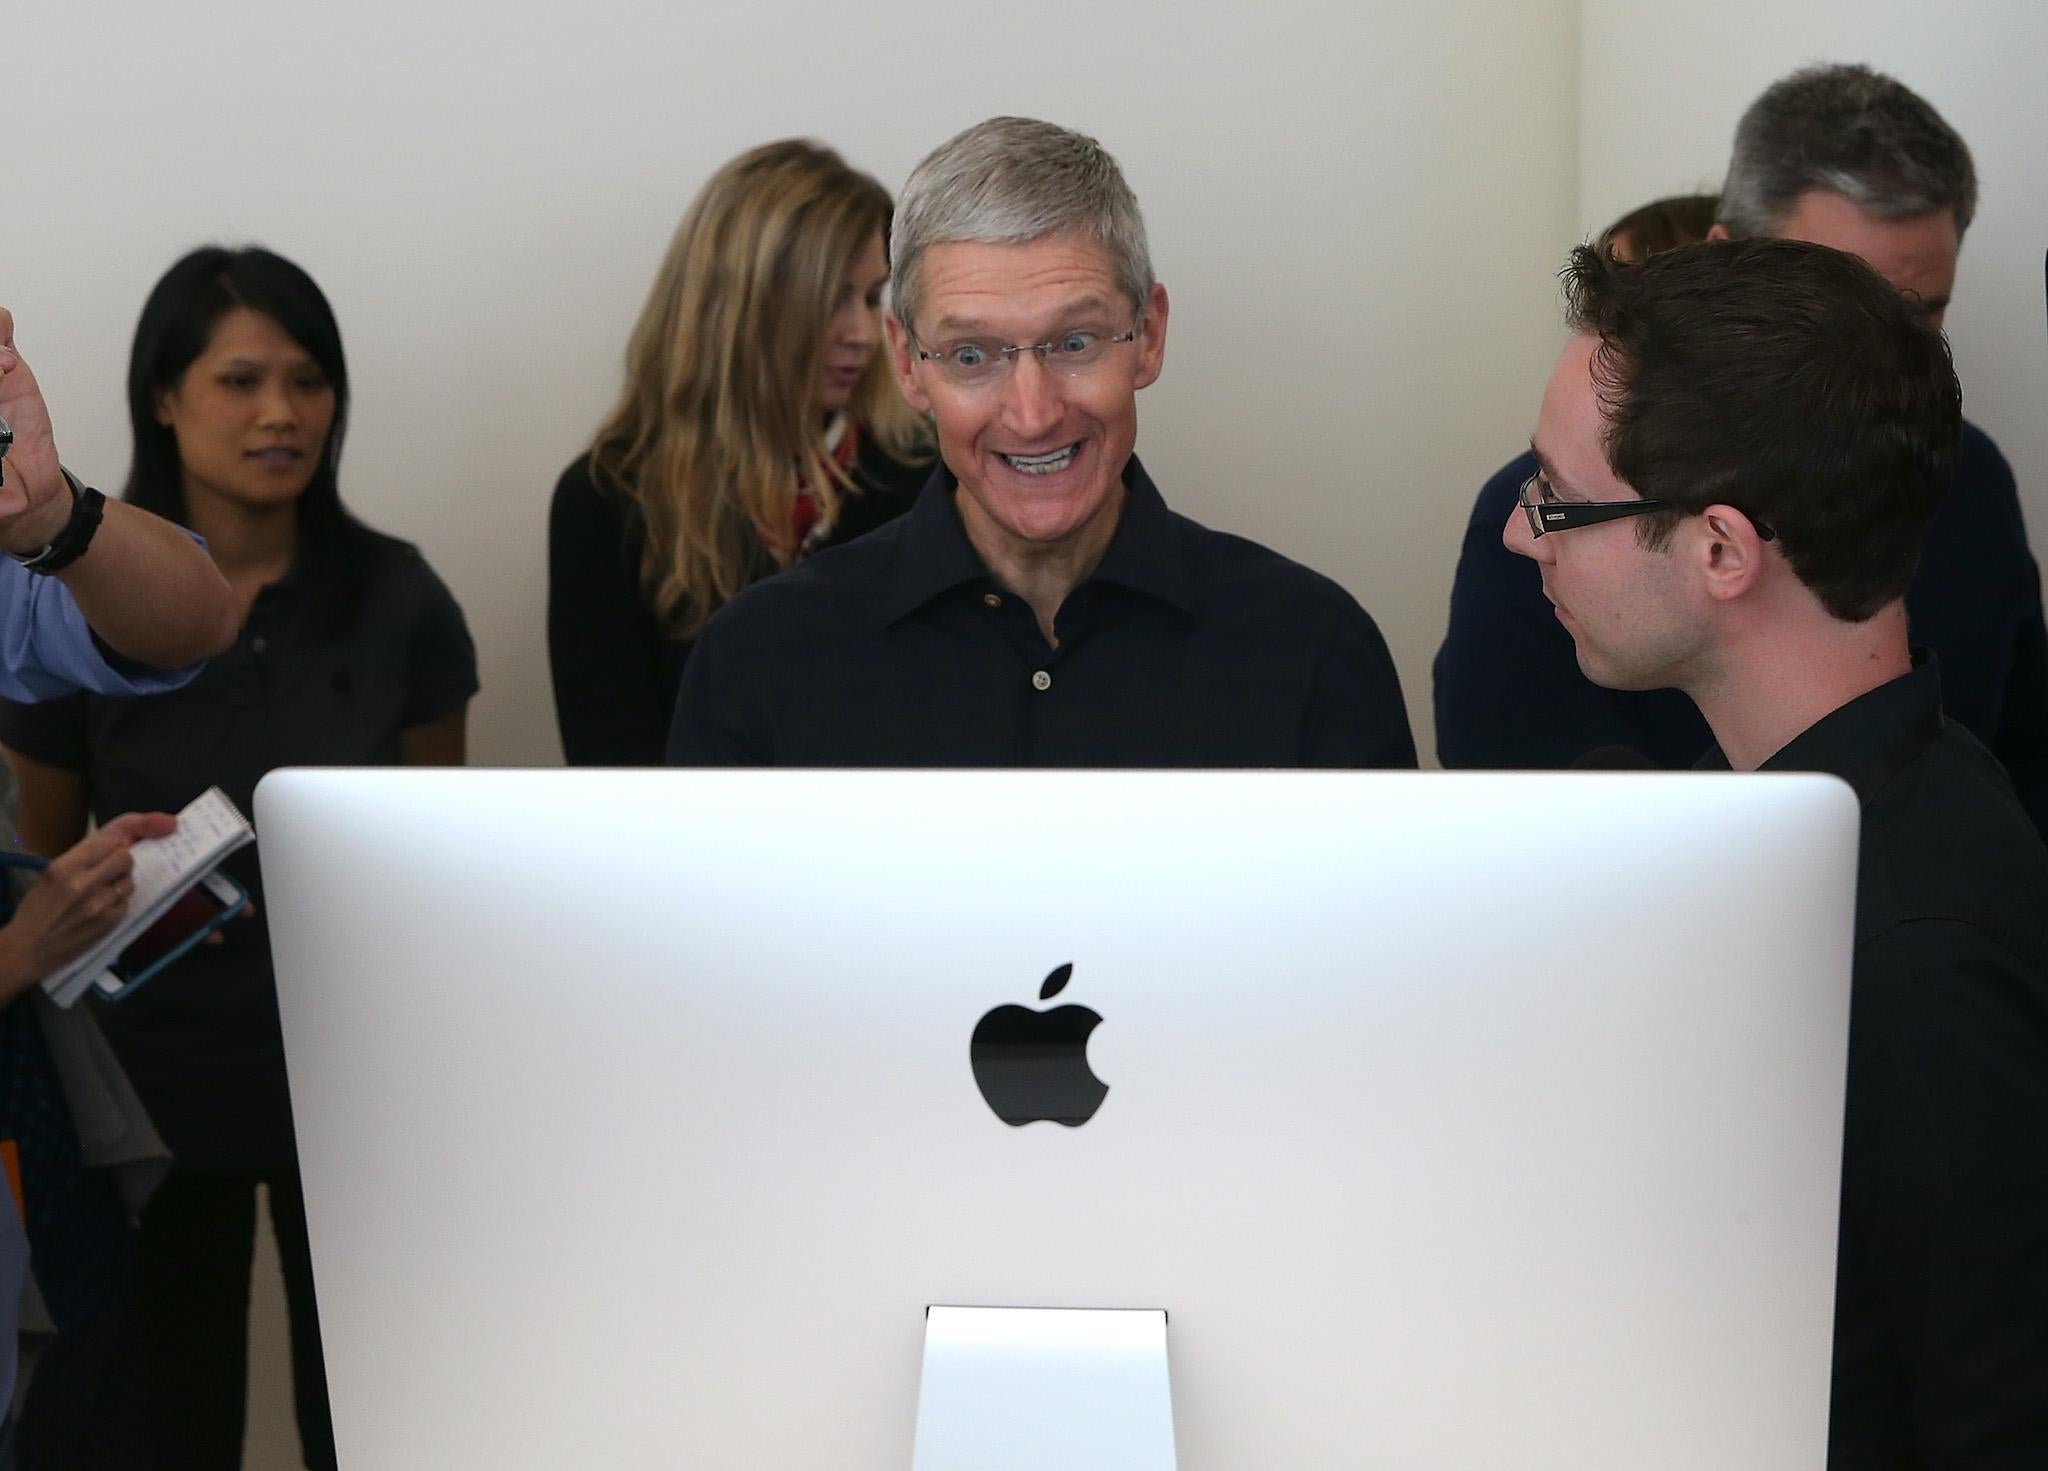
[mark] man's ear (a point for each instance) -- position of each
(1727, 551)
(1151, 342)
(903, 359)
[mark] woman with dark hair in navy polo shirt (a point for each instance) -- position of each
(351, 652)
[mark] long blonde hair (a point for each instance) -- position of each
(718, 424)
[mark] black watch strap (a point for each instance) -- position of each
(68, 545)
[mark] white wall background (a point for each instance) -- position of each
(1356, 209)
(1662, 86)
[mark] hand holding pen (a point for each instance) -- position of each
(77, 901)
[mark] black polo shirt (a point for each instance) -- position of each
(1185, 648)
(1941, 1310)
(201, 1041)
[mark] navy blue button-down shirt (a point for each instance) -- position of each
(1509, 692)
(1185, 648)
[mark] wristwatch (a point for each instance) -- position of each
(69, 544)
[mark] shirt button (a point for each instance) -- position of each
(989, 599)
(1040, 680)
(260, 644)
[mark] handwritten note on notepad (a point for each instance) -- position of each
(208, 830)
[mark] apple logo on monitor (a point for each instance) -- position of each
(1033, 1065)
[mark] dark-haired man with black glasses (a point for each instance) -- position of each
(1847, 157)
(1739, 454)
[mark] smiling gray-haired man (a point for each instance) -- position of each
(1040, 606)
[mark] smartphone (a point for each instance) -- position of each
(198, 912)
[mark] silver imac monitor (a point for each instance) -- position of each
(1452, 1120)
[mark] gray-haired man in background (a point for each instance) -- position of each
(1040, 606)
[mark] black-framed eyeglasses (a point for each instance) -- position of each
(1548, 516)
(977, 362)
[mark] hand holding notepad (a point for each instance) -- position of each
(166, 871)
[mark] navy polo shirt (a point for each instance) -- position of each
(1185, 648)
(1510, 694)
(201, 1042)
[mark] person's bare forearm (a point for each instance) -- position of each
(144, 586)
(150, 592)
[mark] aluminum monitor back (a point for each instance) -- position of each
(1455, 1120)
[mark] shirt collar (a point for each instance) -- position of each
(1869, 740)
(288, 589)
(934, 555)
(1145, 552)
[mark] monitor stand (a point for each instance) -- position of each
(1023, 1389)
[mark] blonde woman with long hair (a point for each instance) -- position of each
(759, 423)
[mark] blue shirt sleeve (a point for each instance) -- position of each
(46, 649)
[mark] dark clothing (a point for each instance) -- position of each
(616, 670)
(1509, 692)
(201, 1042)
(198, 1243)
(88, 1403)
(1941, 1299)
(1185, 648)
